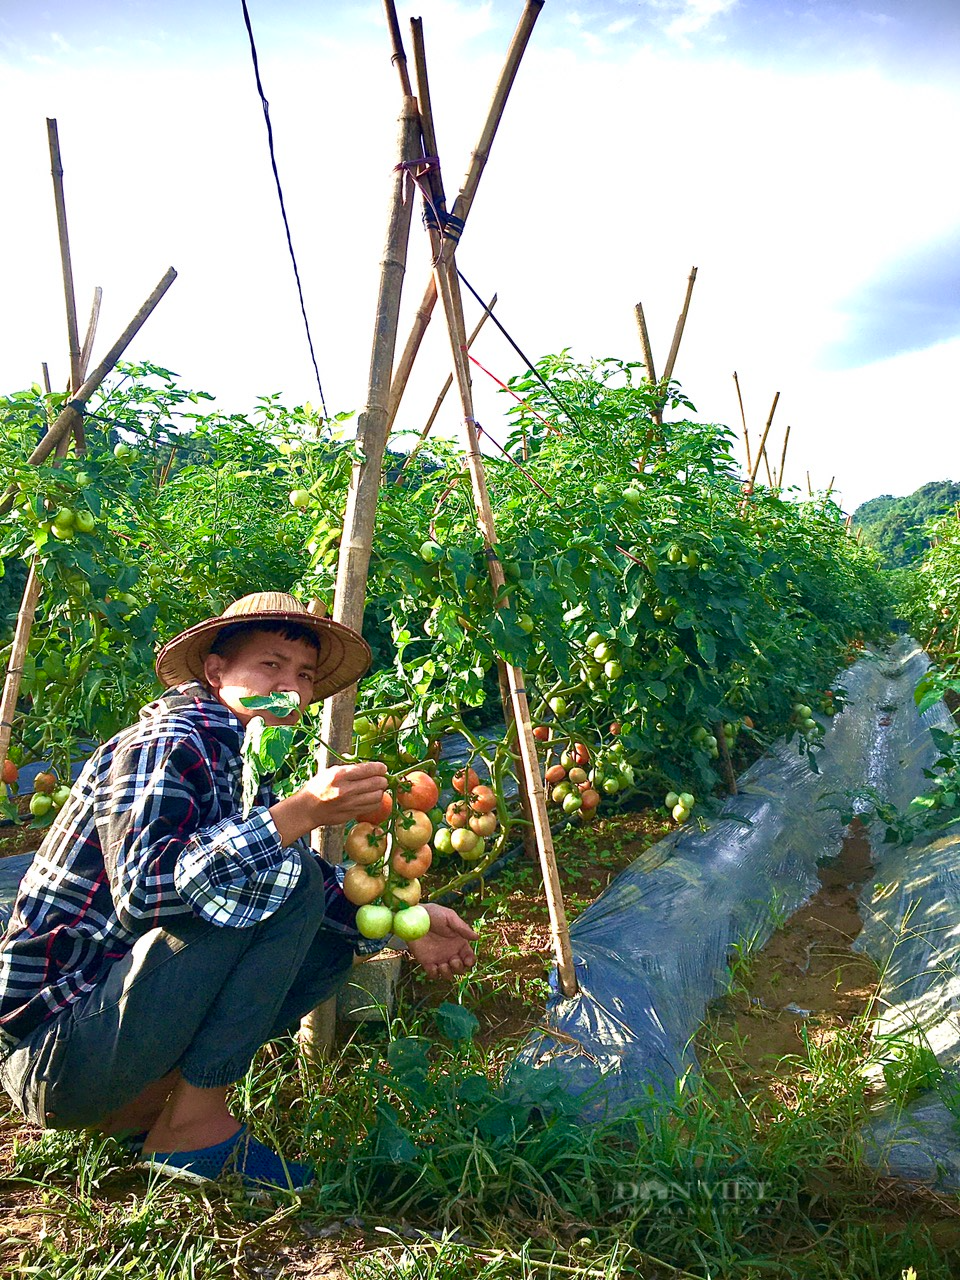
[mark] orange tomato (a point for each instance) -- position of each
(360, 887)
(379, 815)
(365, 844)
(411, 863)
(580, 753)
(542, 733)
(9, 773)
(45, 783)
(483, 824)
(413, 828)
(457, 814)
(589, 799)
(556, 773)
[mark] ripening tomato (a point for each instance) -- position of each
(464, 841)
(483, 799)
(442, 840)
(556, 773)
(589, 799)
(417, 790)
(484, 824)
(411, 863)
(399, 890)
(577, 775)
(379, 815)
(457, 814)
(361, 888)
(542, 733)
(45, 783)
(365, 844)
(9, 773)
(413, 828)
(465, 780)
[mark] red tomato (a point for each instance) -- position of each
(483, 799)
(417, 790)
(9, 772)
(589, 799)
(465, 780)
(542, 733)
(45, 783)
(580, 753)
(615, 728)
(556, 773)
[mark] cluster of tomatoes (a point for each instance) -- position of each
(570, 784)
(49, 795)
(389, 851)
(470, 821)
(803, 719)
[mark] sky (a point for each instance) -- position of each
(800, 153)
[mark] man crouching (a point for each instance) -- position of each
(159, 938)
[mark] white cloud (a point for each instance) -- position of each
(59, 42)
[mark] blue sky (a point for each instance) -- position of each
(801, 155)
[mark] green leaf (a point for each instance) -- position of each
(456, 1022)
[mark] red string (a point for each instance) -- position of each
(526, 404)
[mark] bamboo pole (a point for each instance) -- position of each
(809, 486)
(449, 287)
(70, 414)
(766, 461)
(645, 343)
(356, 543)
(399, 58)
(725, 760)
(464, 200)
(743, 419)
(73, 338)
(87, 349)
(783, 457)
(760, 452)
(678, 331)
(443, 393)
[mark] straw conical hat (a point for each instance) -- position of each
(343, 657)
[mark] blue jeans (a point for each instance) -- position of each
(190, 996)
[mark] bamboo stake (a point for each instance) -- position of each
(743, 419)
(760, 452)
(73, 339)
(766, 461)
(356, 543)
(449, 286)
(783, 457)
(70, 415)
(678, 332)
(87, 349)
(399, 58)
(443, 393)
(645, 343)
(809, 486)
(464, 200)
(725, 758)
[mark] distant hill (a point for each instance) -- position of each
(895, 525)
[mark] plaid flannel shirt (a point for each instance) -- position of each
(152, 830)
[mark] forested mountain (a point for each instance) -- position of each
(895, 525)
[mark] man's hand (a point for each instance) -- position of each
(445, 951)
(330, 798)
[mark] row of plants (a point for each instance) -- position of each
(663, 618)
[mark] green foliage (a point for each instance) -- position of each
(895, 526)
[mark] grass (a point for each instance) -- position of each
(437, 1157)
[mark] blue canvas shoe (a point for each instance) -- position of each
(258, 1166)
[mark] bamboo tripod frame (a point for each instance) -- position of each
(663, 382)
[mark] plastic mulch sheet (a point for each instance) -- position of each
(651, 952)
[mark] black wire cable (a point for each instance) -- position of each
(283, 208)
(529, 363)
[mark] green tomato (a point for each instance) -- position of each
(599, 490)
(674, 554)
(525, 623)
(632, 496)
(686, 799)
(613, 670)
(364, 727)
(561, 791)
(671, 799)
(610, 786)
(65, 518)
(85, 521)
(40, 804)
(83, 478)
(691, 559)
(442, 841)
(411, 923)
(558, 706)
(60, 797)
(62, 533)
(375, 920)
(430, 551)
(680, 814)
(572, 802)
(603, 651)
(300, 498)
(122, 451)
(592, 640)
